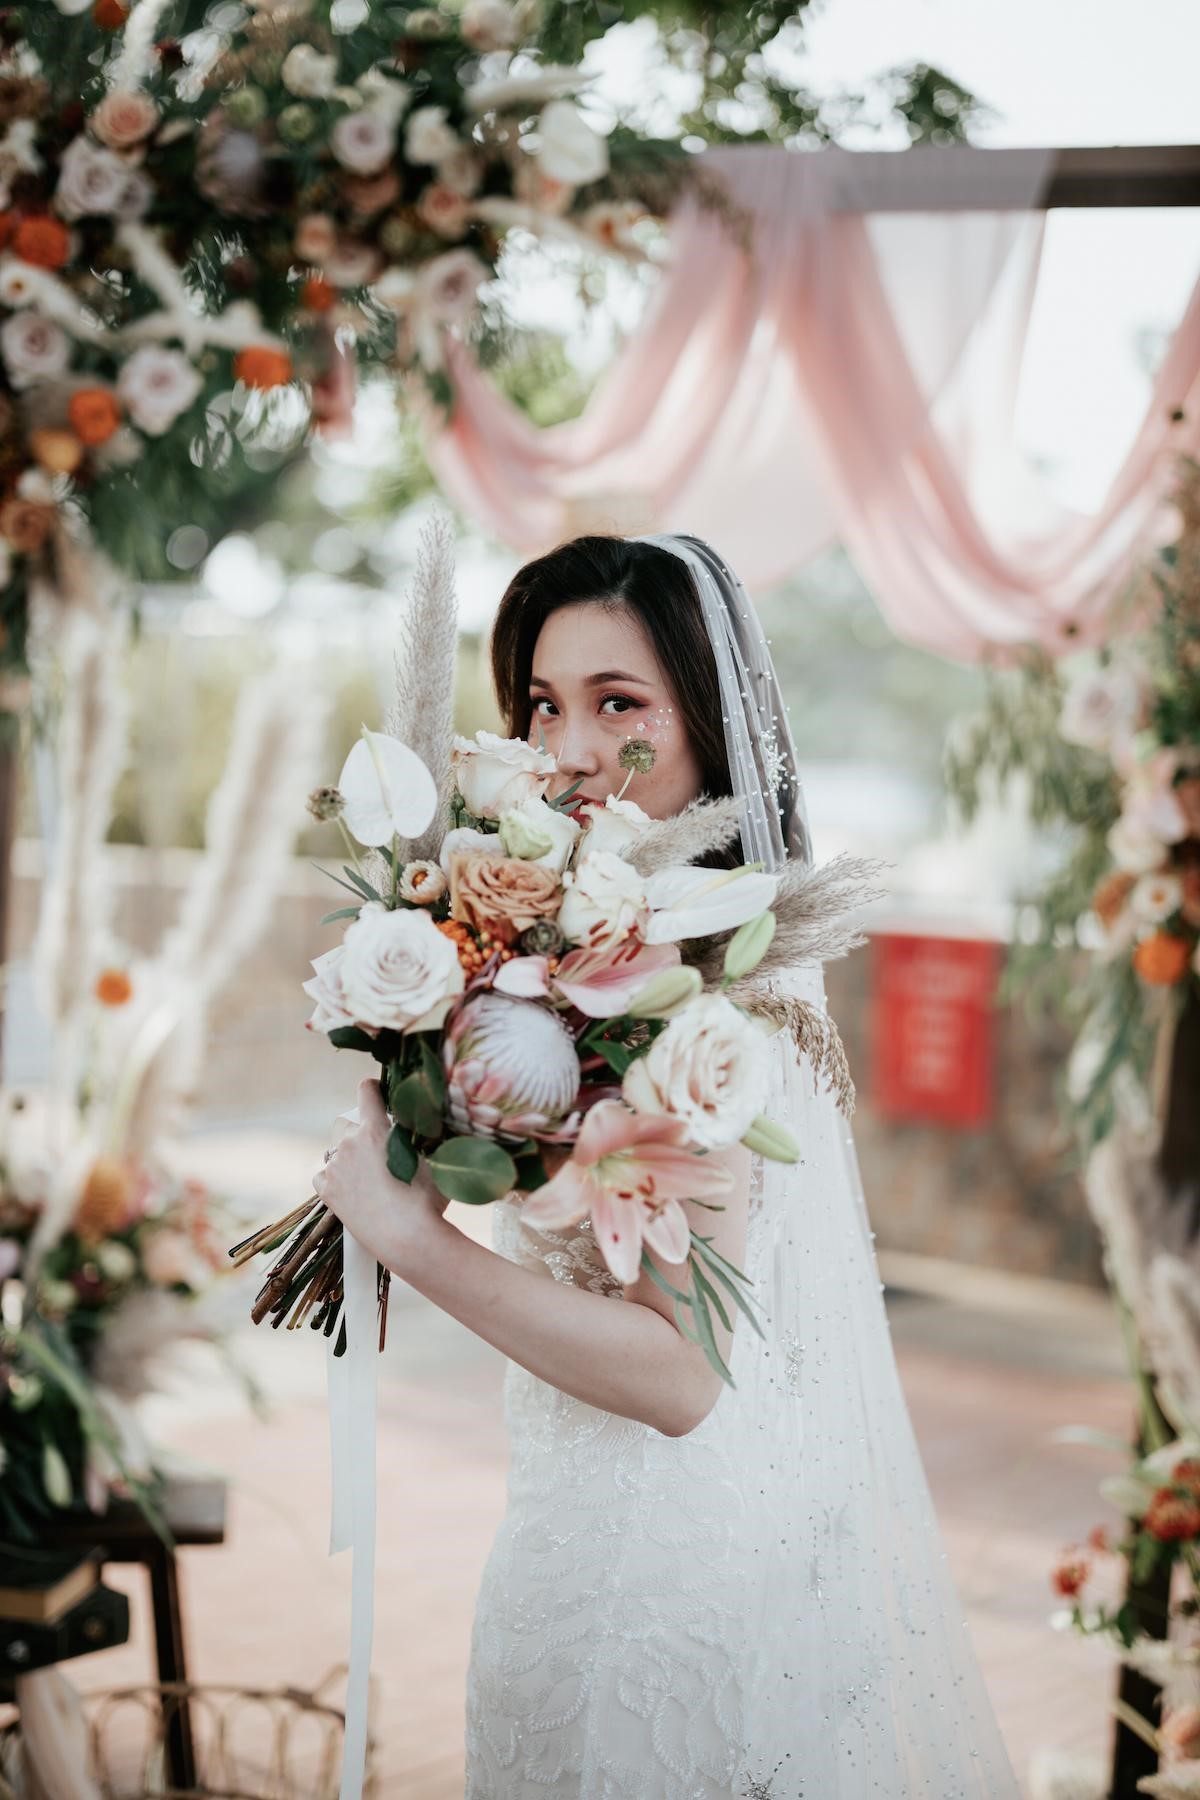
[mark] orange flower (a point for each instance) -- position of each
(501, 896)
(110, 15)
(1162, 958)
(1110, 897)
(42, 240)
(1097, 1537)
(1170, 1517)
(113, 987)
(59, 451)
(317, 294)
(1070, 1575)
(262, 366)
(94, 413)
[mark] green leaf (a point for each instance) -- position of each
(719, 1272)
(416, 1106)
(402, 1159)
(336, 878)
(560, 800)
(681, 1320)
(343, 912)
(710, 1293)
(704, 1329)
(352, 1037)
(531, 1171)
(472, 1170)
(364, 887)
(617, 1056)
(659, 1279)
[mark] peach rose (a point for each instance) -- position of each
(501, 894)
(123, 120)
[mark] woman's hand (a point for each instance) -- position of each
(393, 1218)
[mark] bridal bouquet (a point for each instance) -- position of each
(557, 999)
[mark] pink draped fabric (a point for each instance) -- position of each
(849, 377)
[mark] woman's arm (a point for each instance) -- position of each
(627, 1359)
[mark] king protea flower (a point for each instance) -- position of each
(511, 1070)
(629, 1172)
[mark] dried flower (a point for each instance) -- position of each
(543, 938)
(104, 1201)
(637, 755)
(422, 882)
(326, 803)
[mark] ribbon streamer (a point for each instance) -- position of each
(353, 1392)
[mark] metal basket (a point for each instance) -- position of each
(248, 1743)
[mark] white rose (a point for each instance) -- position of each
(707, 1068)
(1155, 897)
(1100, 708)
(536, 823)
(384, 95)
(604, 903)
(308, 74)
(463, 837)
(399, 972)
(447, 286)
(614, 826)
(34, 349)
(427, 136)
(490, 24)
(157, 384)
(92, 179)
(324, 989)
(363, 141)
(493, 773)
(568, 148)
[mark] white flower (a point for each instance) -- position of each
(169, 1256)
(1101, 707)
(604, 903)
(383, 94)
(18, 148)
(34, 349)
(116, 1260)
(708, 1068)
(543, 833)
(387, 789)
(72, 8)
(363, 141)
(395, 287)
(351, 263)
(399, 972)
(1155, 897)
(1151, 805)
(614, 826)
(136, 197)
(308, 74)
(463, 837)
(568, 148)
(1133, 848)
(490, 24)
(324, 989)
(20, 282)
(461, 172)
(691, 902)
(613, 222)
(156, 385)
(427, 136)
(444, 211)
(493, 773)
(422, 882)
(446, 287)
(516, 90)
(91, 179)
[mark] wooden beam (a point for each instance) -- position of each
(1125, 175)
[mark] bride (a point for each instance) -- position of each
(697, 1591)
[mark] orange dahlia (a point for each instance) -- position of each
(94, 414)
(262, 366)
(42, 240)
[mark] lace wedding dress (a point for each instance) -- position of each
(763, 1607)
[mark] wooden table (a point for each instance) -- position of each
(195, 1514)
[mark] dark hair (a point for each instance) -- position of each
(658, 590)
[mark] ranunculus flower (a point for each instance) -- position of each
(614, 826)
(386, 789)
(568, 148)
(707, 1069)
(493, 773)
(363, 141)
(604, 903)
(34, 349)
(1155, 897)
(601, 983)
(427, 136)
(1101, 709)
(308, 74)
(501, 894)
(692, 902)
(511, 1070)
(539, 833)
(156, 385)
(124, 119)
(398, 971)
(331, 1010)
(629, 1172)
(91, 180)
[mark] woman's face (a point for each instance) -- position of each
(596, 683)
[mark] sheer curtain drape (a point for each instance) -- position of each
(849, 377)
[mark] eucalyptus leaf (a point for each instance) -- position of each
(343, 912)
(352, 1037)
(472, 1170)
(402, 1159)
(416, 1106)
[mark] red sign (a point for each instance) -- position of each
(933, 1027)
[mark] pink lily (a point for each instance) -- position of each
(601, 983)
(629, 1171)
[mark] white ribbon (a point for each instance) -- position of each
(353, 1390)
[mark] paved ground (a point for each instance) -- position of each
(991, 1367)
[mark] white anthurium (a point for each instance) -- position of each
(1161, 1464)
(387, 789)
(568, 148)
(689, 902)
